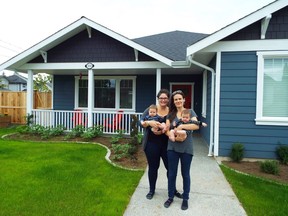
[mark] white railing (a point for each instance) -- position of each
(111, 121)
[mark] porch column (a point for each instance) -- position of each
(90, 97)
(158, 82)
(29, 98)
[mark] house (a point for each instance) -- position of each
(14, 82)
(235, 79)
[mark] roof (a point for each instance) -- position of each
(79, 25)
(172, 44)
(236, 26)
(15, 79)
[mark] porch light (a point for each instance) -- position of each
(89, 65)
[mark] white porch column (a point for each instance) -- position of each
(158, 82)
(29, 98)
(90, 96)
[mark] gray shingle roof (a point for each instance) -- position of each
(171, 44)
(14, 79)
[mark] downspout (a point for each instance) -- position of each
(211, 143)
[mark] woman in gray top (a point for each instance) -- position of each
(180, 149)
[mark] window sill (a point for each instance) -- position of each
(272, 121)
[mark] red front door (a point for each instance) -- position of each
(187, 90)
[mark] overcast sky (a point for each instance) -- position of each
(23, 23)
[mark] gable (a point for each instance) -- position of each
(277, 28)
(97, 48)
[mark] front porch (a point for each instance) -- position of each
(112, 121)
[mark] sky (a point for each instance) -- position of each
(24, 23)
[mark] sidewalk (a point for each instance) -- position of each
(210, 193)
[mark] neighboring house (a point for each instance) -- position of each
(235, 79)
(14, 82)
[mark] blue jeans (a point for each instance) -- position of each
(173, 161)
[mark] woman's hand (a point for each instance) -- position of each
(154, 124)
(180, 137)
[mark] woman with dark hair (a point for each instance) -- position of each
(155, 142)
(181, 149)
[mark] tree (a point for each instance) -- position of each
(41, 82)
(1, 84)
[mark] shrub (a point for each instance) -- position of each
(237, 152)
(92, 132)
(76, 132)
(121, 151)
(282, 152)
(270, 166)
(115, 138)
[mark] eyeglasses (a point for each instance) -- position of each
(163, 98)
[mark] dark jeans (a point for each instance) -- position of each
(185, 160)
(154, 152)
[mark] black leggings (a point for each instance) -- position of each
(153, 152)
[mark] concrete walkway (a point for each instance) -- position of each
(210, 193)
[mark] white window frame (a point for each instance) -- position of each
(260, 119)
(117, 95)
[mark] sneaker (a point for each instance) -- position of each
(168, 203)
(179, 195)
(150, 195)
(184, 205)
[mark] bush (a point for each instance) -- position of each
(270, 166)
(92, 132)
(121, 151)
(282, 152)
(237, 152)
(77, 131)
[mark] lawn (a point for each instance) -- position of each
(49, 178)
(259, 197)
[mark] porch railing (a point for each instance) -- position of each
(111, 121)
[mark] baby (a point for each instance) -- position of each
(185, 119)
(153, 116)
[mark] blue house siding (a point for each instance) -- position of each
(98, 48)
(63, 97)
(145, 91)
(238, 109)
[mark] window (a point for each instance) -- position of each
(272, 88)
(109, 93)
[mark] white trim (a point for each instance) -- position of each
(260, 119)
(97, 65)
(29, 99)
(217, 104)
(52, 91)
(91, 90)
(264, 25)
(248, 45)
(158, 82)
(204, 94)
(236, 26)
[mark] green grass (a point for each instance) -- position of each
(45, 178)
(258, 196)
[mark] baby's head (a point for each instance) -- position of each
(185, 115)
(153, 110)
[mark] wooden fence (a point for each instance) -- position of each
(14, 104)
